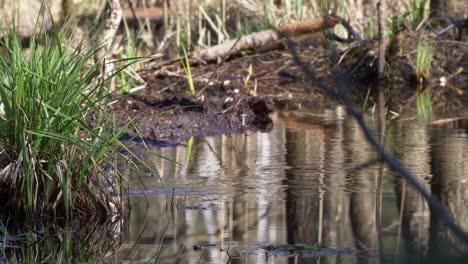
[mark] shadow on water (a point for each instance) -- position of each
(241, 196)
(296, 194)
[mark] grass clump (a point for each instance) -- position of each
(424, 56)
(52, 160)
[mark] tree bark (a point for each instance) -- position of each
(382, 15)
(105, 37)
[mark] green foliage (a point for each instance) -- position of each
(53, 161)
(417, 11)
(397, 23)
(246, 24)
(246, 81)
(130, 52)
(297, 7)
(424, 58)
(339, 29)
(267, 18)
(371, 29)
(188, 72)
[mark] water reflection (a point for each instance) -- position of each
(299, 184)
(42, 240)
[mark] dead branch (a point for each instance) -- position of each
(263, 38)
(307, 27)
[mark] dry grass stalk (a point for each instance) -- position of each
(212, 24)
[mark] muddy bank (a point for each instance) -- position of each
(170, 117)
(237, 95)
(232, 97)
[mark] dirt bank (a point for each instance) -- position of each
(231, 97)
(237, 95)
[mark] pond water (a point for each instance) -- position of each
(236, 198)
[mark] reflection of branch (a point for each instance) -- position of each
(363, 166)
(378, 212)
(392, 162)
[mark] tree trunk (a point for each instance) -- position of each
(105, 36)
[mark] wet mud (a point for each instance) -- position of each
(231, 97)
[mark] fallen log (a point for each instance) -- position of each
(263, 38)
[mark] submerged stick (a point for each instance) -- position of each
(261, 39)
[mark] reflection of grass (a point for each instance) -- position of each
(424, 104)
(188, 151)
(366, 100)
(64, 245)
(423, 59)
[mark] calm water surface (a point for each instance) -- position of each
(300, 183)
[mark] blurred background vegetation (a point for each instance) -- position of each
(158, 25)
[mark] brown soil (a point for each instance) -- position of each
(224, 102)
(229, 99)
